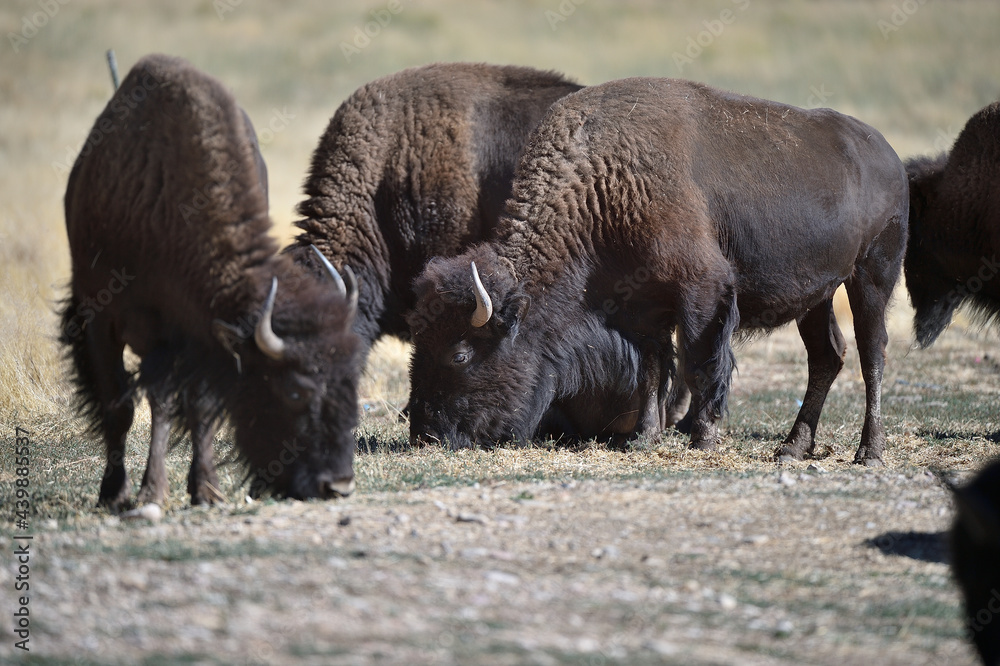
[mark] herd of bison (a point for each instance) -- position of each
(567, 261)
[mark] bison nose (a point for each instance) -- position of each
(339, 488)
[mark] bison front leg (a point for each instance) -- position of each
(708, 368)
(826, 348)
(203, 481)
(155, 486)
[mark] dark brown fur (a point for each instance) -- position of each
(975, 559)
(167, 195)
(418, 165)
(413, 166)
(954, 245)
(643, 205)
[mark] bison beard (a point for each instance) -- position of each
(954, 243)
(741, 215)
(175, 191)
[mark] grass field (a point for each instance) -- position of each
(914, 70)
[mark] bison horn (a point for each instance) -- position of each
(264, 335)
(348, 290)
(484, 306)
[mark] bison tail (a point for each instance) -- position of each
(72, 336)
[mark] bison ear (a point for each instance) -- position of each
(514, 309)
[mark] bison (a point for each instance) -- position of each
(955, 228)
(646, 204)
(166, 214)
(975, 552)
(413, 166)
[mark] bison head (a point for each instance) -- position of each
(934, 296)
(478, 373)
(295, 405)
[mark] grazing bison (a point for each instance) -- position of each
(955, 228)
(975, 552)
(418, 165)
(167, 221)
(647, 204)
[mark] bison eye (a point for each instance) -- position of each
(461, 358)
(297, 394)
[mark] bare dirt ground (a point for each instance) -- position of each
(791, 567)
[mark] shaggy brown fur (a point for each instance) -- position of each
(168, 230)
(417, 165)
(955, 228)
(643, 205)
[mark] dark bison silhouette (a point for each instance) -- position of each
(975, 552)
(955, 228)
(166, 214)
(646, 204)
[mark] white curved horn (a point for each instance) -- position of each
(264, 335)
(484, 306)
(337, 280)
(348, 289)
(352, 293)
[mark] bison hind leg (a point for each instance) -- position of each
(709, 363)
(826, 347)
(870, 289)
(104, 394)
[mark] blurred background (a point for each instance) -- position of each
(914, 69)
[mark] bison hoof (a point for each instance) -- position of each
(117, 497)
(704, 436)
(206, 494)
(150, 495)
(786, 454)
(869, 462)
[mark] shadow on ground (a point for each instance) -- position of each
(923, 546)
